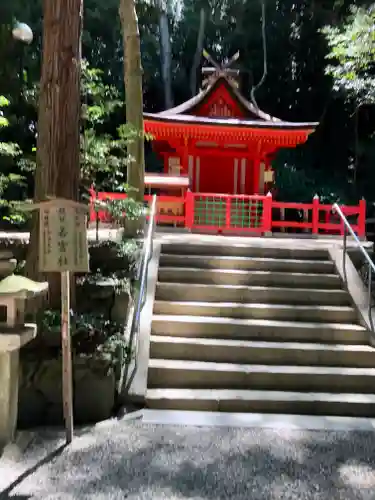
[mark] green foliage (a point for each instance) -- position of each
(352, 49)
(297, 87)
(352, 67)
(103, 160)
(10, 181)
(104, 156)
(6, 148)
(93, 336)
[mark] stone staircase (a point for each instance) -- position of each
(266, 330)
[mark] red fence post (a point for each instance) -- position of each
(267, 214)
(362, 218)
(92, 202)
(315, 215)
(189, 210)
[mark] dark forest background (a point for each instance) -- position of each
(338, 160)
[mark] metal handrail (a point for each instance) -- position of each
(148, 251)
(142, 277)
(371, 266)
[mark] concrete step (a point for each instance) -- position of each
(247, 329)
(328, 314)
(247, 263)
(241, 293)
(306, 403)
(244, 250)
(258, 352)
(165, 373)
(241, 277)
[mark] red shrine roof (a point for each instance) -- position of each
(221, 109)
(193, 105)
(163, 117)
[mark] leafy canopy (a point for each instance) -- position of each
(352, 51)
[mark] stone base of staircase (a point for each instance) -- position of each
(257, 329)
(258, 420)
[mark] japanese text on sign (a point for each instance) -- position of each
(63, 238)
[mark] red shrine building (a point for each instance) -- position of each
(217, 150)
(220, 140)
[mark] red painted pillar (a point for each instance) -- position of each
(189, 209)
(267, 214)
(315, 215)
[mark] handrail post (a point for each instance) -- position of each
(315, 215)
(344, 246)
(133, 324)
(362, 218)
(189, 210)
(349, 230)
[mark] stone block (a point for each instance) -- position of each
(8, 395)
(94, 394)
(40, 393)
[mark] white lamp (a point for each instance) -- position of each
(23, 33)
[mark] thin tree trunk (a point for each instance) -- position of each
(166, 57)
(134, 97)
(58, 142)
(198, 52)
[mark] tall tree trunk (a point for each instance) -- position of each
(58, 142)
(134, 98)
(198, 52)
(166, 57)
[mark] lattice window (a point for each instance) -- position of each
(227, 212)
(246, 214)
(209, 211)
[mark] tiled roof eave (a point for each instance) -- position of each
(190, 120)
(271, 136)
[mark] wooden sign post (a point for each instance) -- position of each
(63, 248)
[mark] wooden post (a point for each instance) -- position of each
(63, 249)
(67, 379)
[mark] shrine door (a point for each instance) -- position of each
(221, 174)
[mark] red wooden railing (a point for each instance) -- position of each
(256, 214)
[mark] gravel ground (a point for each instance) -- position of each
(134, 461)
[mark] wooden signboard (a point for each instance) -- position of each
(62, 237)
(268, 176)
(63, 248)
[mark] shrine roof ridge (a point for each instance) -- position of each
(194, 102)
(231, 122)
